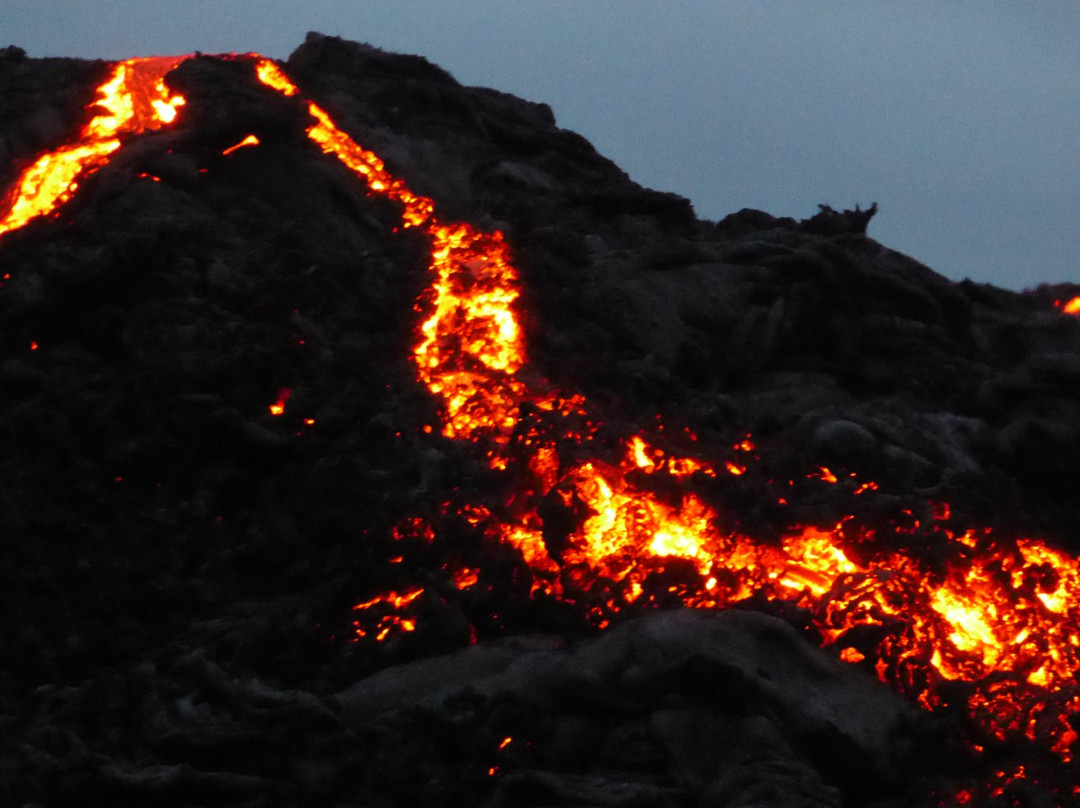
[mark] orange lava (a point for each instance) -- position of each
(278, 407)
(135, 99)
(250, 140)
(472, 345)
(387, 607)
(1070, 306)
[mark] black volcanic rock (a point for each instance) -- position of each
(179, 565)
(725, 708)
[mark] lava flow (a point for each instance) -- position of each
(1002, 616)
(1071, 306)
(471, 346)
(133, 100)
(610, 531)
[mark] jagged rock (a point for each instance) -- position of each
(831, 222)
(753, 693)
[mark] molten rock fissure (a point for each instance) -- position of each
(371, 439)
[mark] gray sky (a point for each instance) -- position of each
(961, 119)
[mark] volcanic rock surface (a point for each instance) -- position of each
(180, 564)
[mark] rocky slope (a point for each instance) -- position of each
(180, 564)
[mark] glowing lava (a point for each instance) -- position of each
(278, 407)
(472, 344)
(133, 100)
(250, 140)
(995, 615)
(1071, 306)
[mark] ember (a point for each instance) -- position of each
(250, 140)
(278, 407)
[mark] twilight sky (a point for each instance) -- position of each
(961, 120)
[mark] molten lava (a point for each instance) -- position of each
(636, 528)
(472, 345)
(278, 407)
(250, 140)
(1071, 306)
(133, 100)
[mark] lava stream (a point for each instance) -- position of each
(997, 612)
(996, 615)
(133, 100)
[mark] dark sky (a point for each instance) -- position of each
(962, 120)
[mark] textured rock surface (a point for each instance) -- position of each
(696, 701)
(179, 565)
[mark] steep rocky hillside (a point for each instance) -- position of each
(247, 561)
